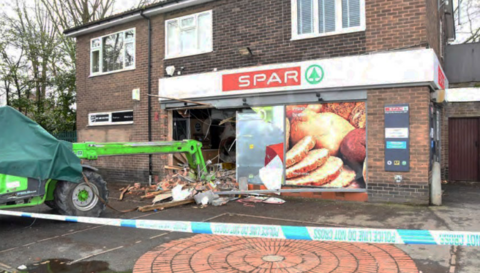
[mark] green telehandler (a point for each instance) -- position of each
(37, 168)
(81, 199)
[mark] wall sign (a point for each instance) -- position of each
(380, 69)
(397, 138)
(262, 79)
(110, 118)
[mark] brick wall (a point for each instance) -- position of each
(395, 24)
(381, 184)
(454, 110)
(265, 27)
(433, 26)
(114, 92)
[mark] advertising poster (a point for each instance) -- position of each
(326, 145)
(260, 148)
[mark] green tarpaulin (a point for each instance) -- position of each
(27, 150)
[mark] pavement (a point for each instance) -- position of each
(74, 247)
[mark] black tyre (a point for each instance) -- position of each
(50, 204)
(79, 199)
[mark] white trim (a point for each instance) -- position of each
(179, 24)
(188, 55)
(100, 49)
(338, 21)
(467, 94)
(111, 72)
(136, 16)
(109, 122)
(313, 35)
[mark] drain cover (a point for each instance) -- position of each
(273, 258)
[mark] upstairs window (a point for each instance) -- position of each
(189, 35)
(314, 18)
(112, 53)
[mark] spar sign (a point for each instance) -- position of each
(272, 78)
(418, 66)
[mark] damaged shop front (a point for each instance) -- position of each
(312, 128)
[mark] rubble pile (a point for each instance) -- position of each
(180, 187)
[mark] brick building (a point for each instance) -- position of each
(363, 66)
(460, 154)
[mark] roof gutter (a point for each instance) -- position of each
(136, 15)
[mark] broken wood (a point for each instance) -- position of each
(123, 193)
(180, 159)
(161, 197)
(165, 205)
(173, 168)
(230, 119)
(153, 194)
(182, 100)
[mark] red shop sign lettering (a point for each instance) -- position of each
(441, 78)
(262, 79)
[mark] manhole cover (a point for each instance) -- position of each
(273, 258)
(212, 253)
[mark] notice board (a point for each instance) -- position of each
(397, 138)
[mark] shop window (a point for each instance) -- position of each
(110, 118)
(112, 53)
(314, 18)
(189, 35)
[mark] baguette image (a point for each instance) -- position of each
(314, 159)
(323, 175)
(300, 150)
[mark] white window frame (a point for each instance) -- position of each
(338, 21)
(178, 20)
(100, 49)
(109, 122)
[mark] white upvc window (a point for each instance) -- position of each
(189, 35)
(316, 18)
(112, 53)
(110, 118)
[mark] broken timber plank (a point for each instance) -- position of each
(123, 193)
(165, 205)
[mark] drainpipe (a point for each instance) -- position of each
(149, 108)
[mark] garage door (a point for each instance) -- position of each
(463, 141)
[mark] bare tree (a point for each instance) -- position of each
(71, 13)
(467, 15)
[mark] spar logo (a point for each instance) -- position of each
(314, 74)
(262, 79)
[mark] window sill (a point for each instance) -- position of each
(110, 124)
(112, 72)
(310, 36)
(188, 55)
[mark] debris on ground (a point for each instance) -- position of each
(162, 206)
(180, 187)
(262, 199)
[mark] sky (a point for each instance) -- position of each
(122, 5)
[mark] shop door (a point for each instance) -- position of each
(463, 141)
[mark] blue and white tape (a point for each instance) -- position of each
(351, 235)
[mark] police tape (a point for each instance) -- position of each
(350, 235)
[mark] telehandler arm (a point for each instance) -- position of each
(191, 148)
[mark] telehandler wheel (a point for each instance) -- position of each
(80, 199)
